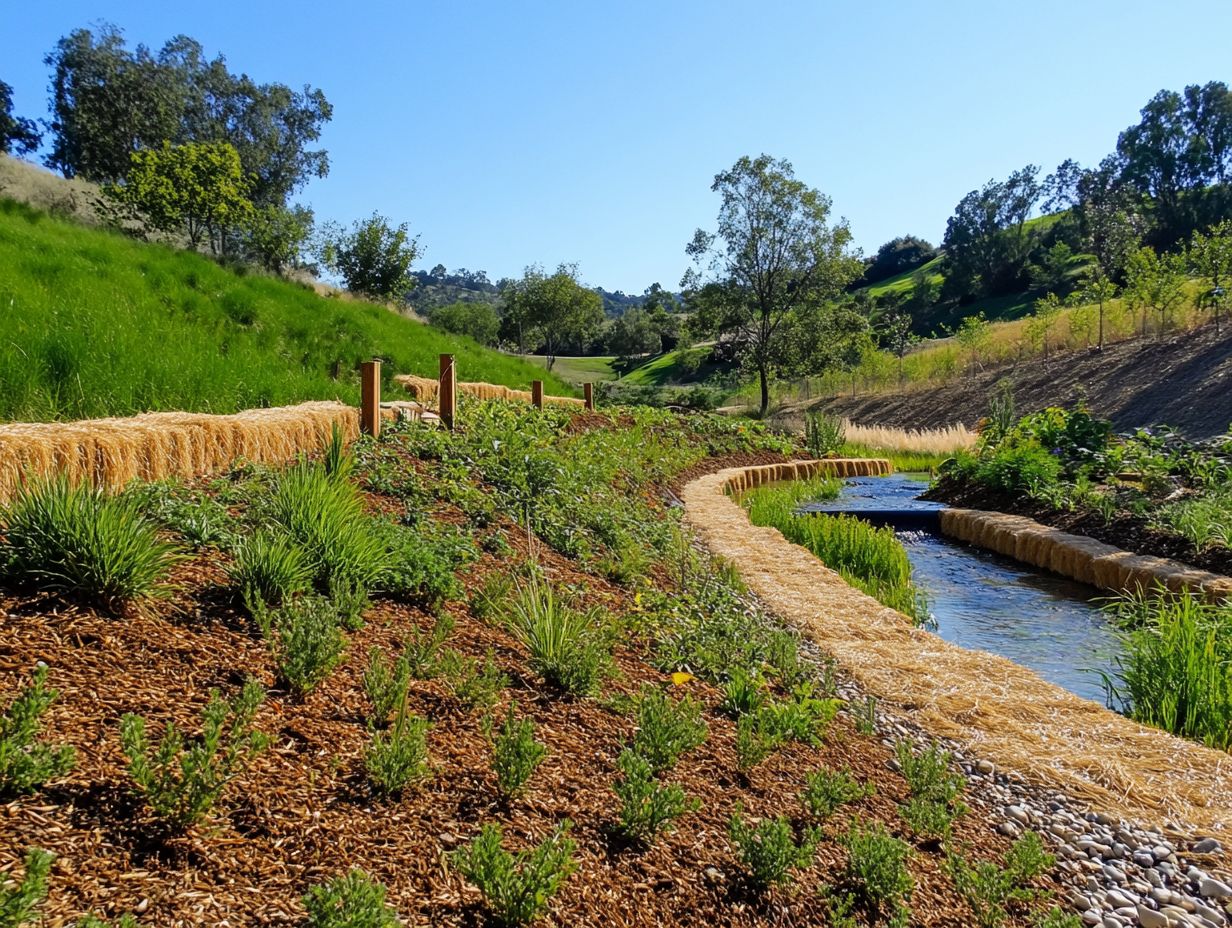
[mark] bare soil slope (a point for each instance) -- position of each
(1183, 381)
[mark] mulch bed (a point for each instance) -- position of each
(1125, 531)
(303, 812)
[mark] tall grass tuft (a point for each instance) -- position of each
(568, 647)
(867, 557)
(82, 543)
(1176, 670)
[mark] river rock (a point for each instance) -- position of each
(1211, 888)
(1149, 918)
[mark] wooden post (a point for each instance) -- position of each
(370, 392)
(447, 399)
(588, 391)
(536, 393)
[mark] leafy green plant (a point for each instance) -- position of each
(197, 517)
(824, 434)
(876, 872)
(646, 805)
(825, 790)
(743, 693)
(25, 762)
(568, 647)
(865, 714)
(475, 684)
(515, 753)
(757, 737)
(386, 683)
(934, 803)
(419, 568)
(268, 570)
(518, 886)
(423, 649)
(1057, 918)
(666, 728)
(990, 889)
(351, 901)
(90, 920)
(308, 642)
(769, 850)
(182, 781)
(929, 820)
(398, 757)
(19, 900)
(82, 543)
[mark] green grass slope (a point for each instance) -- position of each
(580, 370)
(96, 324)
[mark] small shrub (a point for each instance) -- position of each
(25, 763)
(646, 805)
(783, 656)
(352, 901)
(200, 519)
(928, 773)
(865, 714)
(269, 570)
(18, 900)
(568, 648)
(83, 543)
(517, 887)
(91, 920)
(417, 568)
(308, 642)
(769, 850)
(666, 728)
(1057, 918)
(386, 683)
(803, 718)
(423, 649)
(399, 757)
(516, 754)
(475, 684)
(826, 790)
(757, 737)
(743, 693)
(876, 872)
(990, 889)
(182, 782)
(929, 820)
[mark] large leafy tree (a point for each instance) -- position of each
(762, 278)
(373, 257)
(986, 241)
(18, 136)
(554, 309)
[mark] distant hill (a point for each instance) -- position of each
(438, 287)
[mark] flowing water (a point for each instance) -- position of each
(984, 600)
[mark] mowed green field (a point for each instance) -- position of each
(96, 324)
(579, 370)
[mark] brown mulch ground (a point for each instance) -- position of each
(1126, 531)
(303, 811)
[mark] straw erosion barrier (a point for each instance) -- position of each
(427, 390)
(994, 708)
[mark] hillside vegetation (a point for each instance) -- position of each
(95, 324)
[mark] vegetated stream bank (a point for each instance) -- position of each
(986, 601)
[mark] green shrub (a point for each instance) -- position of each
(568, 647)
(928, 773)
(515, 753)
(769, 850)
(399, 757)
(200, 519)
(82, 543)
(666, 728)
(1020, 469)
(757, 737)
(803, 718)
(386, 683)
(929, 820)
(1056, 918)
(826, 790)
(181, 782)
(646, 805)
(308, 642)
(352, 901)
(823, 434)
(865, 716)
(876, 872)
(25, 762)
(517, 887)
(743, 693)
(491, 600)
(417, 568)
(423, 649)
(18, 901)
(989, 889)
(475, 684)
(269, 570)
(90, 920)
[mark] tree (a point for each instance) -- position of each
(922, 297)
(556, 309)
(374, 257)
(896, 256)
(17, 136)
(1210, 256)
(986, 243)
(1208, 113)
(1055, 269)
(476, 319)
(1155, 282)
(198, 189)
(774, 259)
(1040, 325)
(634, 333)
(1098, 288)
(974, 334)
(275, 236)
(896, 335)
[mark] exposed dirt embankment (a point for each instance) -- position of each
(1184, 381)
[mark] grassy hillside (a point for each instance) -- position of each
(95, 324)
(580, 370)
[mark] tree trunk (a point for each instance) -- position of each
(1101, 325)
(764, 376)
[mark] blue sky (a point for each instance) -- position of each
(510, 133)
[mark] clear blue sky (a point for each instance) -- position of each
(509, 133)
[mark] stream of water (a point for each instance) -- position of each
(986, 601)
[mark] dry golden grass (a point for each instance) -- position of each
(946, 441)
(995, 708)
(425, 390)
(112, 452)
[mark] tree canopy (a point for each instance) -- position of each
(18, 136)
(986, 243)
(555, 310)
(373, 257)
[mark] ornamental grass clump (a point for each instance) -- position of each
(25, 762)
(517, 887)
(769, 849)
(182, 780)
(568, 647)
(351, 901)
(82, 543)
(20, 899)
(269, 569)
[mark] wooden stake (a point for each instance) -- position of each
(536, 393)
(370, 392)
(588, 391)
(447, 402)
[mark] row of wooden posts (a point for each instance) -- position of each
(447, 397)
